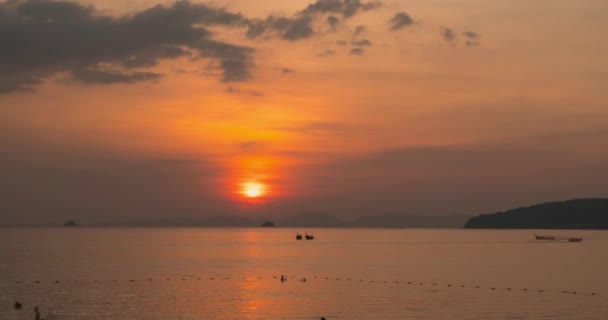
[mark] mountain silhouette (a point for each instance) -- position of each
(571, 214)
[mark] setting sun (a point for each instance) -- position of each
(252, 189)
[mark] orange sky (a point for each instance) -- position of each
(518, 118)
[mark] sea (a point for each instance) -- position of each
(205, 273)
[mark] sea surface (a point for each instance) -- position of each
(178, 273)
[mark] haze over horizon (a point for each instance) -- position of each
(151, 110)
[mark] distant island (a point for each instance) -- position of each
(70, 223)
(268, 224)
(571, 214)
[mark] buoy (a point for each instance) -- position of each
(462, 286)
(434, 284)
(525, 289)
(449, 285)
(56, 281)
(132, 280)
(573, 292)
(17, 305)
(37, 281)
(493, 288)
(541, 290)
(592, 293)
(564, 291)
(508, 289)
(477, 287)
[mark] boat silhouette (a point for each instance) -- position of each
(541, 237)
(298, 236)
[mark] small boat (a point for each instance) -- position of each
(575, 239)
(309, 237)
(541, 237)
(298, 236)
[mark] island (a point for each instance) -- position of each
(268, 224)
(571, 214)
(70, 223)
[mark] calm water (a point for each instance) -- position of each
(120, 274)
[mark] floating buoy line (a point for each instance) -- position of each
(284, 278)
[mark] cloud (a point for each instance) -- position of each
(42, 38)
(347, 8)
(327, 53)
(238, 91)
(333, 22)
(100, 76)
(448, 34)
(400, 21)
(300, 26)
(472, 38)
(357, 51)
(359, 30)
(362, 43)
(471, 35)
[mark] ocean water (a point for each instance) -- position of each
(177, 273)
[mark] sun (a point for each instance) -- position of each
(253, 189)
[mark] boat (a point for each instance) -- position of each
(575, 239)
(309, 237)
(541, 237)
(298, 236)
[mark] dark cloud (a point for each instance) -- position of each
(359, 30)
(41, 38)
(249, 146)
(238, 91)
(400, 21)
(361, 43)
(357, 51)
(448, 34)
(101, 76)
(472, 35)
(327, 53)
(300, 26)
(346, 8)
(471, 43)
(333, 22)
(472, 38)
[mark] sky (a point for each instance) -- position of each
(141, 110)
